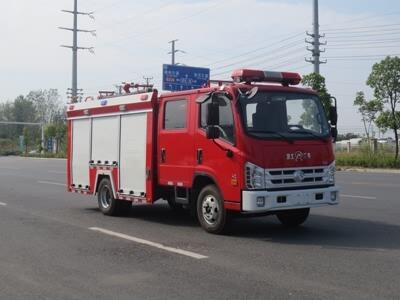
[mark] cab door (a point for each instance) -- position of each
(219, 158)
(175, 142)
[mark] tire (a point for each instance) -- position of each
(293, 218)
(211, 212)
(107, 203)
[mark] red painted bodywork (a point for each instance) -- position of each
(181, 145)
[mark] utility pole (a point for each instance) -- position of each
(74, 91)
(315, 50)
(147, 80)
(174, 51)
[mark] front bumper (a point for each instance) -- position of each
(252, 201)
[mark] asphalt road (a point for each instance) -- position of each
(56, 245)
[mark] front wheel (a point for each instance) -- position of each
(294, 217)
(210, 210)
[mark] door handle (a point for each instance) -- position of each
(199, 156)
(163, 155)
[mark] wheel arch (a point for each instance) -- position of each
(100, 177)
(200, 180)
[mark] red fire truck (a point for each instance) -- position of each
(254, 146)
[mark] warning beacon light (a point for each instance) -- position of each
(248, 76)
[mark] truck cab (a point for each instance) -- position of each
(256, 145)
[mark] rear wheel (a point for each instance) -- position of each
(107, 203)
(293, 218)
(210, 210)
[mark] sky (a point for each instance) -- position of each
(132, 42)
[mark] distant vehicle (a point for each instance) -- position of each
(255, 146)
(386, 141)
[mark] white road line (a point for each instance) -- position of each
(360, 197)
(149, 243)
(52, 183)
(9, 168)
(3, 204)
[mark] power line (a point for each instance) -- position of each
(109, 5)
(176, 21)
(371, 30)
(369, 41)
(362, 27)
(362, 36)
(264, 56)
(363, 47)
(369, 18)
(292, 36)
(361, 57)
(286, 62)
(141, 14)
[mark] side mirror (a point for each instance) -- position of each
(213, 113)
(333, 112)
(333, 115)
(212, 132)
(334, 133)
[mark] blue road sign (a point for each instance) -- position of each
(50, 144)
(180, 78)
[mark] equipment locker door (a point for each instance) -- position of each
(175, 143)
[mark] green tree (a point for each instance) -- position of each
(385, 81)
(7, 114)
(368, 110)
(24, 111)
(58, 131)
(47, 104)
(317, 83)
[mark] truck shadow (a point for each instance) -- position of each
(324, 231)
(158, 213)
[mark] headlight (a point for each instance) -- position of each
(255, 176)
(329, 176)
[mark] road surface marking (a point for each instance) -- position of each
(360, 197)
(52, 183)
(149, 243)
(57, 172)
(3, 204)
(9, 168)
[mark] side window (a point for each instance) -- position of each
(175, 114)
(226, 127)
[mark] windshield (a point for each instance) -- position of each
(289, 115)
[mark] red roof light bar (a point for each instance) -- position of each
(248, 76)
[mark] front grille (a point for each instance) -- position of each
(293, 177)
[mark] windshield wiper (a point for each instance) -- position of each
(283, 137)
(308, 132)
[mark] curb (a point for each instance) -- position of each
(367, 170)
(47, 158)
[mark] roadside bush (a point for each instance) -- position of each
(366, 160)
(8, 147)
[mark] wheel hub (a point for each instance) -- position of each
(210, 209)
(105, 197)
